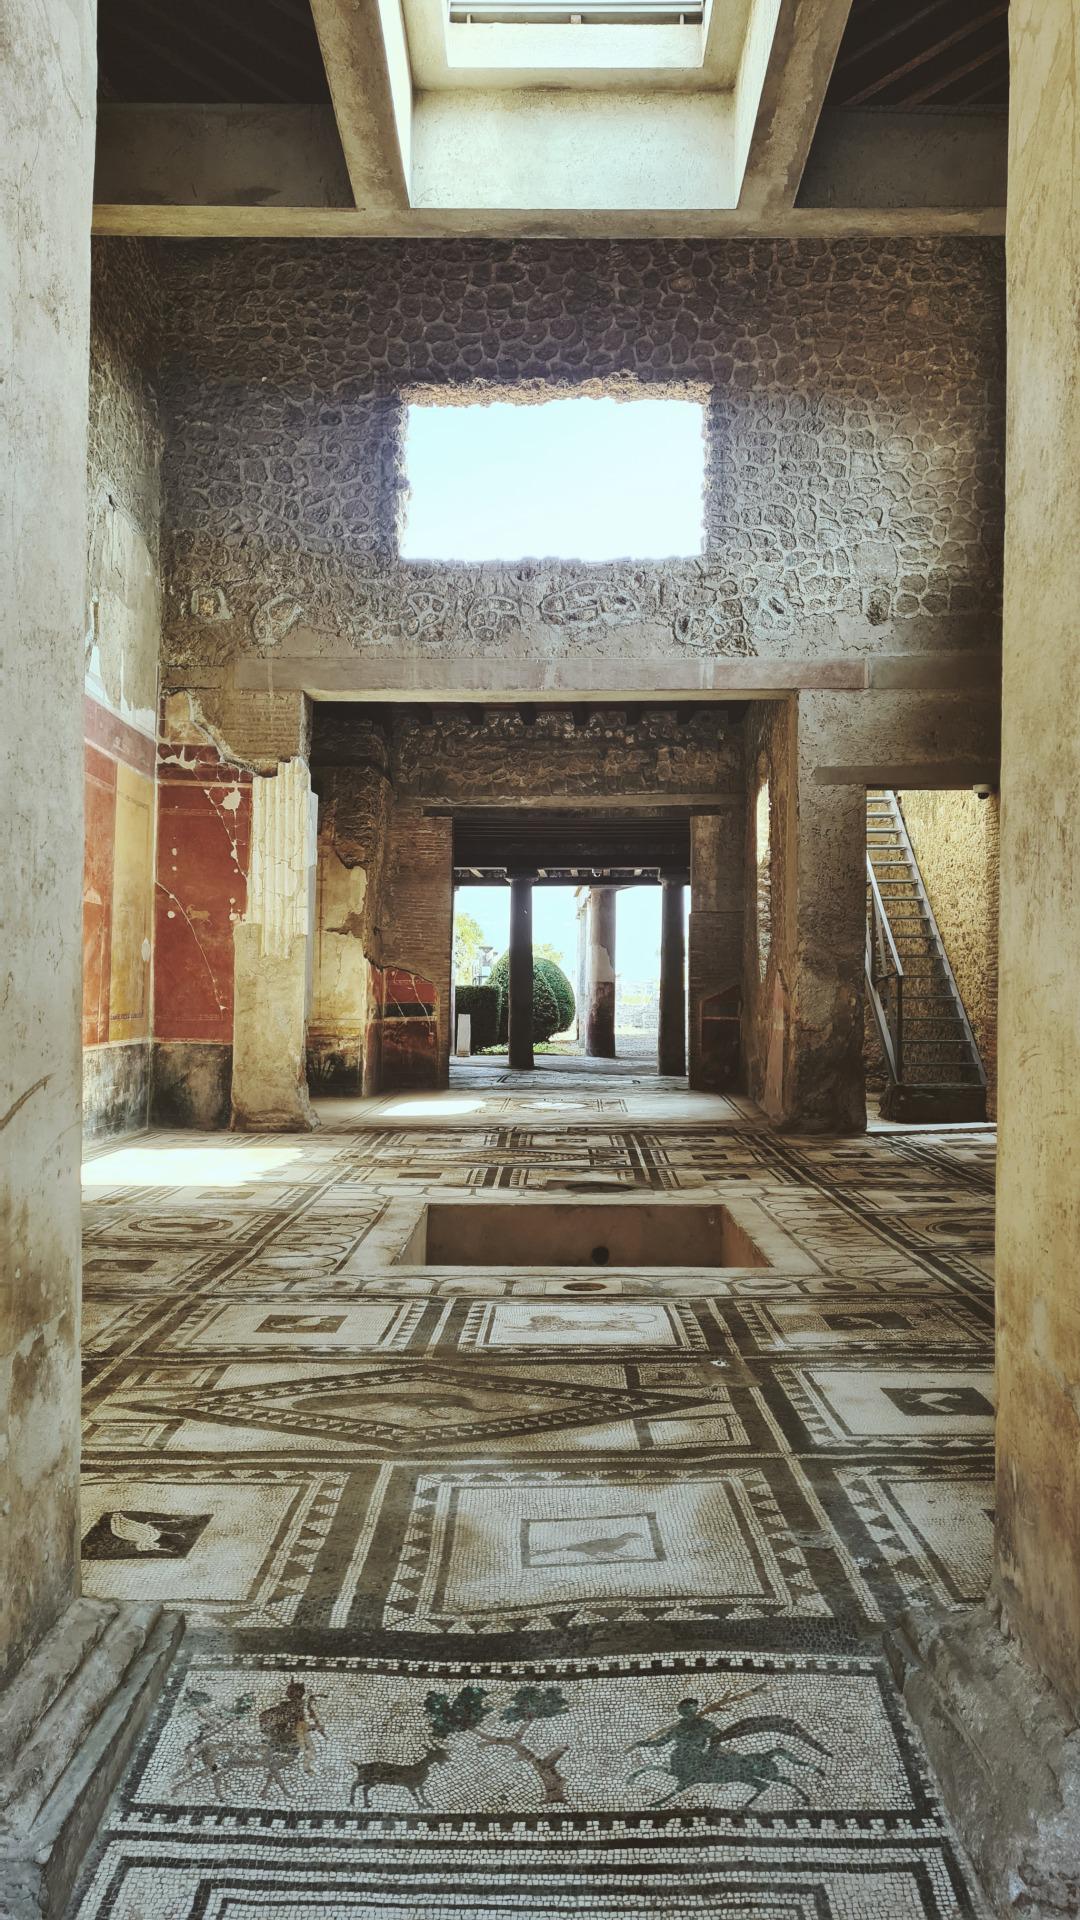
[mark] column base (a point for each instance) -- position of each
(269, 1067)
(1006, 1756)
(69, 1721)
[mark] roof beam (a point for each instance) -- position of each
(932, 51)
(804, 49)
(367, 67)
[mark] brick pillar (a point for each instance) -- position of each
(671, 1043)
(273, 957)
(600, 974)
(716, 942)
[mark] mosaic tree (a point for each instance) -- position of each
(469, 1708)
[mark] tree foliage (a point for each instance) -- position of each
(468, 945)
(457, 1715)
(553, 996)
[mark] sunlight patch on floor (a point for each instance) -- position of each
(156, 1166)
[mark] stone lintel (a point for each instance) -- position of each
(330, 678)
(977, 668)
(910, 773)
(1006, 1754)
(69, 1722)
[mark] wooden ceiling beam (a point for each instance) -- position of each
(949, 79)
(927, 54)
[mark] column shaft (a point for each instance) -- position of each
(716, 943)
(272, 954)
(521, 972)
(671, 1044)
(600, 1017)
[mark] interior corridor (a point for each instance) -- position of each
(460, 1542)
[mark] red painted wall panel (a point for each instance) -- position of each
(204, 836)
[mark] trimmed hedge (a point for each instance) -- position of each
(482, 1006)
(553, 997)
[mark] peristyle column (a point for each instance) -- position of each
(600, 1017)
(716, 942)
(521, 971)
(671, 1044)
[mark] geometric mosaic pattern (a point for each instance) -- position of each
(519, 1591)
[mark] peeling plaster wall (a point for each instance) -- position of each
(354, 812)
(47, 79)
(122, 647)
(955, 839)
(211, 748)
(203, 855)
(853, 447)
(1038, 1213)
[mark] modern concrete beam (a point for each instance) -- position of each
(276, 222)
(367, 65)
(220, 157)
(804, 49)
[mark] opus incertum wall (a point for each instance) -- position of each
(854, 430)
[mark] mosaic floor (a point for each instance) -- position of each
(515, 1591)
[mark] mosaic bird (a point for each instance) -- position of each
(598, 1549)
(137, 1533)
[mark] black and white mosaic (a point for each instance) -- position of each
(529, 1591)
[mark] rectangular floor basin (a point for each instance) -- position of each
(522, 1233)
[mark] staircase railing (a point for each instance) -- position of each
(884, 977)
(934, 931)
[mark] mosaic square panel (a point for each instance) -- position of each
(260, 1324)
(862, 1321)
(577, 1323)
(933, 1527)
(871, 1407)
(222, 1549)
(490, 1552)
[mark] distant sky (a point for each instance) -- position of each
(574, 479)
(637, 925)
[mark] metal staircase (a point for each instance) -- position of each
(932, 1062)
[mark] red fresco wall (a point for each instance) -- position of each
(402, 1041)
(203, 844)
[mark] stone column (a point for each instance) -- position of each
(76, 1676)
(581, 979)
(716, 948)
(600, 981)
(273, 957)
(826, 1079)
(521, 971)
(1038, 1201)
(671, 1045)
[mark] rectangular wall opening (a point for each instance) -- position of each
(538, 1234)
(577, 478)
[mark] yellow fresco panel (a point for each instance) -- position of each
(133, 894)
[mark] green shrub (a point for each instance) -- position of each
(482, 1006)
(553, 997)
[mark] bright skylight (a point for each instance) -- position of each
(572, 479)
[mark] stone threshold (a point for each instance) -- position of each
(69, 1723)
